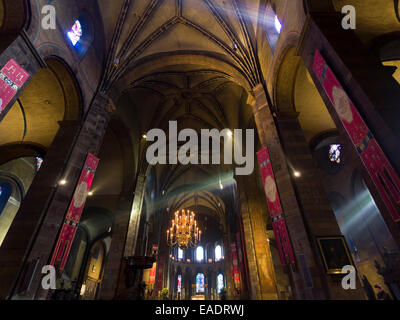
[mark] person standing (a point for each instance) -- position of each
(382, 294)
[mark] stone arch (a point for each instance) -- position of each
(34, 118)
(284, 80)
(19, 172)
(93, 270)
(13, 151)
(11, 185)
(160, 61)
(96, 229)
(115, 174)
(296, 94)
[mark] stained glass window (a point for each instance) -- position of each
(199, 254)
(220, 282)
(180, 254)
(75, 33)
(179, 284)
(278, 24)
(273, 26)
(39, 162)
(200, 283)
(5, 193)
(335, 152)
(218, 253)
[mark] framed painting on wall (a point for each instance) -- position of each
(335, 254)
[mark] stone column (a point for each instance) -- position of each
(306, 279)
(368, 84)
(228, 260)
(25, 54)
(318, 214)
(43, 210)
(130, 236)
(115, 256)
(254, 288)
(254, 217)
(134, 221)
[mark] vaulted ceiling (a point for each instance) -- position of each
(189, 61)
(151, 29)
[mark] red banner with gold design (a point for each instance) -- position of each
(374, 160)
(235, 265)
(275, 208)
(73, 217)
(12, 78)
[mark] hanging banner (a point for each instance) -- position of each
(152, 273)
(240, 255)
(235, 264)
(275, 208)
(160, 274)
(374, 160)
(12, 78)
(73, 217)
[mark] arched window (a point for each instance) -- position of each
(218, 253)
(199, 254)
(81, 34)
(180, 254)
(273, 26)
(5, 193)
(220, 282)
(39, 162)
(335, 153)
(179, 284)
(75, 33)
(200, 283)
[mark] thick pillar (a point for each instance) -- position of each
(29, 216)
(366, 82)
(130, 236)
(228, 263)
(307, 281)
(24, 53)
(254, 218)
(29, 244)
(318, 214)
(116, 254)
(134, 220)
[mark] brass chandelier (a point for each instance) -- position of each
(184, 231)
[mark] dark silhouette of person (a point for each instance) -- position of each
(369, 290)
(382, 294)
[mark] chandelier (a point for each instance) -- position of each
(184, 231)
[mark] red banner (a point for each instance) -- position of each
(73, 217)
(152, 273)
(374, 160)
(235, 265)
(275, 208)
(12, 78)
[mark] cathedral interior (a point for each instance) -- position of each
(83, 85)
